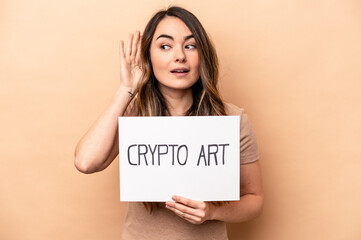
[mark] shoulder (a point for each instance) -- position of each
(232, 109)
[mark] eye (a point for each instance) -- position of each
(190, 46)
(164, 46)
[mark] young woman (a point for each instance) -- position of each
(172, 70)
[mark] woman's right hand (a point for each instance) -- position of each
(99, 145)
(130, 63)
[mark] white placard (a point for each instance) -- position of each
(194, 157)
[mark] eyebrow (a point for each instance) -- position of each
(171, 38)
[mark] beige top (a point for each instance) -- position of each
(163, 224)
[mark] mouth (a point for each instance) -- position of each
(180, 70)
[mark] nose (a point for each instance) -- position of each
(180, 60)
(179, 55)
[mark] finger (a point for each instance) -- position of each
(121, 48)
(135, 45)
(121, 52)
(137, 57)
(129, 45)
(186, 201)
(182, 208)
(189, 217)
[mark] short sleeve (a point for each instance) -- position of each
(248, 140)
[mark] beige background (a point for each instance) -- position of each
(293, 65)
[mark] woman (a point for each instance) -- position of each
(172, 70)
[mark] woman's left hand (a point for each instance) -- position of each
(195, 212)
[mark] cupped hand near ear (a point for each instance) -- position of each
(130, 62)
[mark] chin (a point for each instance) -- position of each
(177, 84)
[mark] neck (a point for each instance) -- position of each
(178, 102)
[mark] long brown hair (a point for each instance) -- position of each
(206, 98)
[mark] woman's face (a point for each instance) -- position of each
(174, 55)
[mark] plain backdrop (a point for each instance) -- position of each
(294, 66)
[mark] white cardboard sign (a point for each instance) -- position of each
(194, 157)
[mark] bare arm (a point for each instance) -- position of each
(248, 207)
(251, 201)
(99, 145)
